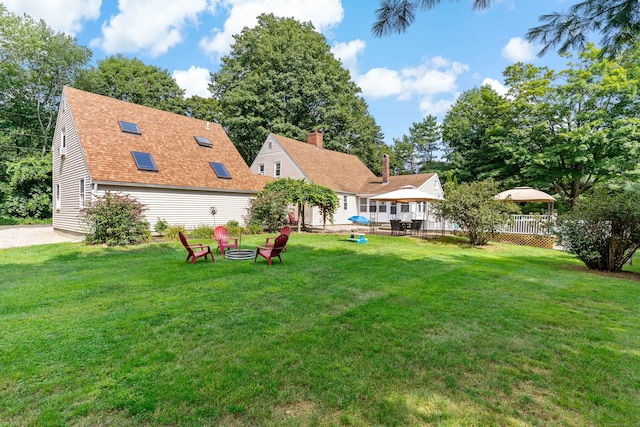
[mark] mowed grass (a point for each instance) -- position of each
(393, 332)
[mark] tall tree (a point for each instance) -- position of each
(35, 63)
(282, 77)
(473, 135)
(617, 20)
(578, 127)
(414, 151)
(133, 81)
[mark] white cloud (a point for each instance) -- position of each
(428, 106)
(324, 14)
(348, 53)
(132, 29)
(496, 85)
(433, 76)
(380, 83)
(195, 81)
(519, 50)
(62, 15)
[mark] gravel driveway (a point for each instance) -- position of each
(29, 235)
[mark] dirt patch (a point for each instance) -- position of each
(626, 275)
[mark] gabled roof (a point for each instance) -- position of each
(342, 172)
(338, 171)
(169, 137)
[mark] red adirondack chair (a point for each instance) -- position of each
(284, 230)
(269, 253)
(222, 237)
(292, 219)
(195, 250)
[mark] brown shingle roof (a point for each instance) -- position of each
(168, 137)
(338, 171)
(342, 172)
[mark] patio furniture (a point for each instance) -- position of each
(195, 250)
(222, 237)
(397, 227)
(416, 226)
(284, 230)
(292, 220)
(269, 253)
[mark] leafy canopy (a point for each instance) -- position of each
(281, 77)
(473, 207)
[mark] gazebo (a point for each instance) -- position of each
(528, 194)
(529, 230)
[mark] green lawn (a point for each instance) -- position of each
(393, 332)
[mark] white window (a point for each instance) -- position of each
(57, 196)
(261, 169)
(63, 142)
(345, 202)
(81, 198)
(363, 204)
(394, 208)
(277, 170)
(382, 207)
(404, 207)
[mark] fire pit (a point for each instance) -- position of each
(240, 254)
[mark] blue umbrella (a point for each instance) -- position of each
(358, 219)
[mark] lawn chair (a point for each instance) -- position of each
(284, 230)
(269, 253)
(222, 237)
(292, 220)
(396, 227)
(195, 250)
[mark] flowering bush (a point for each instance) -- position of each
(116, 220)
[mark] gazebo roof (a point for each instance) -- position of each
(526, 194)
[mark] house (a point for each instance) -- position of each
(180, 168)
(344, 173)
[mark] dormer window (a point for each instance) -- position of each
(203, 141)
(220, 170)
(144, 161)
(129, 127)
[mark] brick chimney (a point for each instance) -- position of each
(385, 168)
(315, 138)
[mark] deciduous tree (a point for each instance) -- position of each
(281, 77)
(133, 81)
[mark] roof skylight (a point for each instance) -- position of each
(129, 127)
(144, 161)
(203, 141)
(220, 170)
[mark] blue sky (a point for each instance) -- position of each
(404, 77)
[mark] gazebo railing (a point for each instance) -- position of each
(529, 224)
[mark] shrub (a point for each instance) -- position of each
(234, 228)
(161, 226)
(269, 209)
(603, 231)
(202, 232)
(173, 230)
(116, 220)
(473, 207)
(27, 190)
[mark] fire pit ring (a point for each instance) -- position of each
(240, 254)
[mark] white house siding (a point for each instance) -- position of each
(313, 216)
(269, 157)
(67, 172)
(190, 208)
